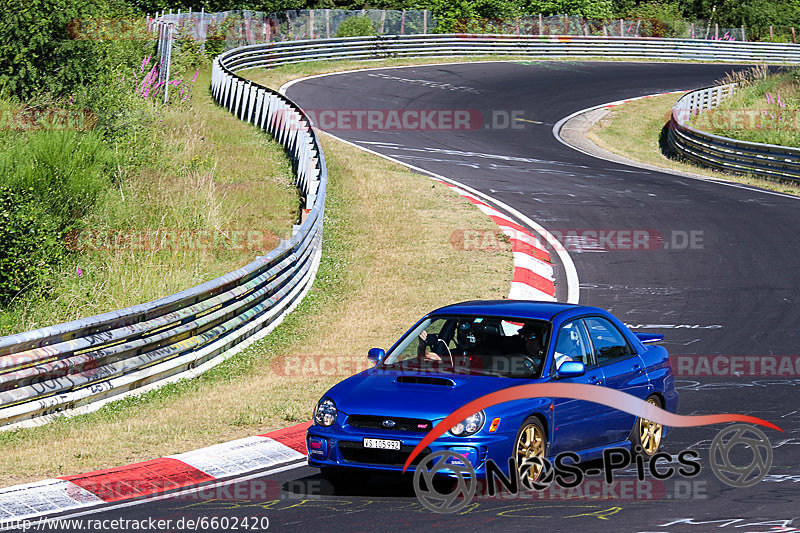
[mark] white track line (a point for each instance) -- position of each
(719, 181)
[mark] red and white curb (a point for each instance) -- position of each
(533, 271)
(152, 478)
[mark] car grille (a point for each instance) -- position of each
(400, 424)
(354, 452)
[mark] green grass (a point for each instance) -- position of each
(764, 111)
(204, 171)
(635, 130)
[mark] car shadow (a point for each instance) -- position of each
(375, 484)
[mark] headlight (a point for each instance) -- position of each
(470, 426)
(325, 413)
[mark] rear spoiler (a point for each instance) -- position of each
(649, 338)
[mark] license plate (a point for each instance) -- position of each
(382, 444)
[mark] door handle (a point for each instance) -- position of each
(637, 368)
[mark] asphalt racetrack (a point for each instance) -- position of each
(724, 281)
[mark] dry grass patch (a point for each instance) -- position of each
(634, 130)
(387, 259)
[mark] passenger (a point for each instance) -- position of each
(531, 340)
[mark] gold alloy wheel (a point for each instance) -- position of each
(530, 444)
(650, 432)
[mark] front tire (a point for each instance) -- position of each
(647, 435)
(531, 442)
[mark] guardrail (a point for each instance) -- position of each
(98, 359)
(724, 153)
(94, 360)
(388, 46)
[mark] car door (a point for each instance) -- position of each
(575, 421)
(623, 370)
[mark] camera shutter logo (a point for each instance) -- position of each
(720, 455)
(542, 466)
(466, 483)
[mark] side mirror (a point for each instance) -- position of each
(571, 369)
(375, 355)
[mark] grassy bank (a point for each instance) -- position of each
(764, 109)
(200, 170)
(635, 130)
(387, 259)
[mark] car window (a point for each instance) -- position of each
(486, 345)
(438, 327)
(609, 343)
(572, 344)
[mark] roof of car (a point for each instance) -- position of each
(507, 308)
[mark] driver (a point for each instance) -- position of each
(465, 340)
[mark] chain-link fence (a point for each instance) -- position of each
(230, 29)
(242, 27)
(575, 25)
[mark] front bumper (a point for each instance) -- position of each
(338, 447)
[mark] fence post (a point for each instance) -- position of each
(716, 31)
(403, 23)
(692, 30)
(744, 35)
(566, 25)
(311, 25)
(540, 25)
(424, 21)
(621, 28)
(168, 61)
(770, 32)
(794, 39)
(638, 24)
(327, 23)
(383, 19)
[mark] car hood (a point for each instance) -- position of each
(414, 395)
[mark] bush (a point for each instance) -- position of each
(48, 180)
(38, 55)
(661, 19)
(31, 242)
(64, 170)
(356, 27)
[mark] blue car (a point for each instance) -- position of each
(458, 353)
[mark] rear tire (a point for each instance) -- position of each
(647, 435)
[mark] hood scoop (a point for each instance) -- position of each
(426, 380)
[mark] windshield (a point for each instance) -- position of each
(506, 347)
